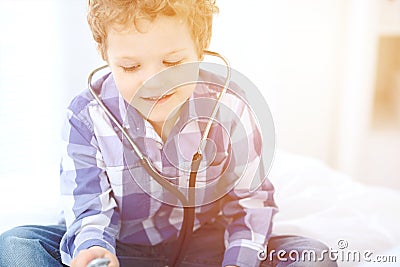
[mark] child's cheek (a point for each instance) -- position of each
(127, 86)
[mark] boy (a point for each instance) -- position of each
(108, 210)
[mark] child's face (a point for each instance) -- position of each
(135, 56)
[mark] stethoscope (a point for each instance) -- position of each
(187, 203)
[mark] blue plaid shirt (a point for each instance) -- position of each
(107, 195)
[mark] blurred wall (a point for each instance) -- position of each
(291, 50)
(316, 63)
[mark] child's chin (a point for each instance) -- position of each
(164, 112)
(158, 116)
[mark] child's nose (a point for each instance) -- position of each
(157, 80)
(154, 79)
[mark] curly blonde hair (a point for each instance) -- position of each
(197, 13)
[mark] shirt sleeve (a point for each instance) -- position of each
(249, 212)
(89, 207)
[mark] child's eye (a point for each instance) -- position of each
(130, 68)
(172, 63)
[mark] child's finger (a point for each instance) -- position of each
(83, 258)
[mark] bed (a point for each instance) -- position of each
(321, 203)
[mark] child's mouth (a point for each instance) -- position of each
(158, 99)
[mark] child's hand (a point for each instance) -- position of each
(87, 255)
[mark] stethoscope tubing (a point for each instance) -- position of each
(187, 203)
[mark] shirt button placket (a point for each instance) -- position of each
(159, 145)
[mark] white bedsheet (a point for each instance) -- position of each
(318, 202)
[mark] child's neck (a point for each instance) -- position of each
(164, 128)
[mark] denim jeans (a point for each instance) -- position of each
(39, 246)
